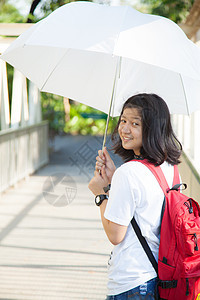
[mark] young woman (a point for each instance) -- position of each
(144, 131)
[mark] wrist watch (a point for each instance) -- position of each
(100, 198)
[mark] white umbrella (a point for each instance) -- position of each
(93, 53)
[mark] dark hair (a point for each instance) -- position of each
(159, 142)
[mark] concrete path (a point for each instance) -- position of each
(52, 244)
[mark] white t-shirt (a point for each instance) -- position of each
(134, 191)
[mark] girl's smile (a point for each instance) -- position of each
(130, 130)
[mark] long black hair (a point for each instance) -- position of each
(159, 142)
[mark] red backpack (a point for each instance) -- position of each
(178, 265)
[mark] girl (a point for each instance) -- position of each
(144, 131)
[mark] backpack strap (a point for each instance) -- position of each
(158, 173)
(176, 176)
(144, 244)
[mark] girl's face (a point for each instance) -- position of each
(130, 130)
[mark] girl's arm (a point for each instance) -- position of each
(115, 232)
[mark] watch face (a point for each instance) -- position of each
(97, 199)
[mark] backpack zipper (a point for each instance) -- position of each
(195, 240)
(196, 248)
(189, 206)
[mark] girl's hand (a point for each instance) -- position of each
(98, 182)
(104, 159)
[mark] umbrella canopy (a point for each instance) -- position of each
(89, 52)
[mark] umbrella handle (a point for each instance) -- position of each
(105, 133)
(117, 75)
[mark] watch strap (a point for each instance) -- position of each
(107, 188)
(101, 197)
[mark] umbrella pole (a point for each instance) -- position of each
(111, 101)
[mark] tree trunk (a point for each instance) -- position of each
(67, 109)
(32, 9)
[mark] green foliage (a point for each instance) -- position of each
(50, 5)
(9, 14)
(176, 10)
(81, 121)
(32, 18)
(10, 73)
(53, 111)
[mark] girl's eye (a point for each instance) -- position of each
(135, 124)
(123, 121)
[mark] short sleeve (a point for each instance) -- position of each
(122, 201)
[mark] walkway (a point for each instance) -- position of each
(51, 250)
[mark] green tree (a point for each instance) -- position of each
(31, 17)
(53, 111)
(176, 10)
(9, 14)
(50, 5)
(47, 7)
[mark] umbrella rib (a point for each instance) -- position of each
(53, 70)
(119, 75)
(184, 94)
(125, 11)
